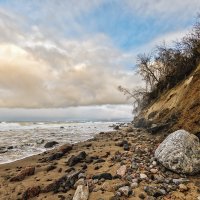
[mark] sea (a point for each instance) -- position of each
(22, 139)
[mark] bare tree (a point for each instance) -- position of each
(137, 96)
(147, 70)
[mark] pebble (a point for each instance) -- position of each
(106, 187)
(154, 163)
(183, 187)
(143, 176)
(141, 196)
(154, 171)
(122, 170)
(134, 185)
(125, 190)
(180, 180)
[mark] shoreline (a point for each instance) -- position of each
(104, 154)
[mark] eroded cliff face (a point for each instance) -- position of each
(179, 107)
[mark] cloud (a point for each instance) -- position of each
(79, 73)
(52, 60)
(163, 9)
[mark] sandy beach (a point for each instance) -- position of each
(106, 163)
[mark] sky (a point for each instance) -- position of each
(63, 60)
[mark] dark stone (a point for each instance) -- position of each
(3, 151)
(51, 167)
(64, 183)
(50, 144)
(55, 156)
(76, 159)
(31, 192)
(158, 127)
(106, 176)
(122, 143)
(84, 166)
(153, 191)
(65, 148)
(141, 196)
(116, 128)
(142, 123)
(126, 147)
(100, 160)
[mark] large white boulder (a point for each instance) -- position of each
(180, 152)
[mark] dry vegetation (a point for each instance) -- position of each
(165, 67)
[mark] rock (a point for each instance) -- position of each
(154, 171)
(142, 123)
(155, 128)
(180, 152)
(141, 196)
(126, 147)
(64, 183)
(180, 180)
(79, 182)
(106, 176)
(55, 156)
(125, 190)
(116, 128)
(106, 186)
(129, 129)
(122, 143)
(76, 159)
(65, 148)
(81, 175)
(122, 170)
(143, 176)
(28, 171)
(40, 141)
(3, 151)
(82, 193)
(183, 187)
(134, 165)
(31, 192)
(154, 191)
(50, 144)
(134, 185)
(50, 167)
(154, 163)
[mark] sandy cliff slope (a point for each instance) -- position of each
(181, 104)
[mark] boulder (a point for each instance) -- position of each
(50, 144)
(180, 152)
